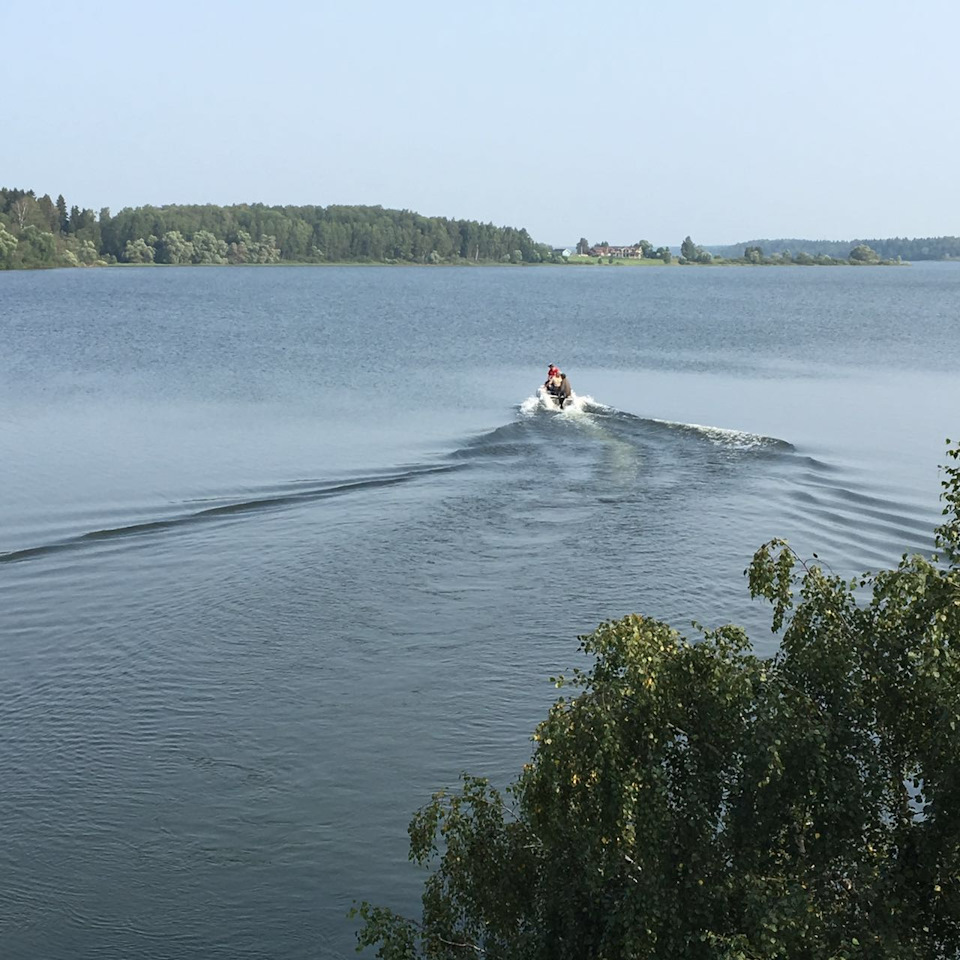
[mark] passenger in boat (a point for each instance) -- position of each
(552, 383)
(564, 390)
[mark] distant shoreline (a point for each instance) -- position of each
(38, 232)
(464, 264)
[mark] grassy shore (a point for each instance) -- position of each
(619, 261)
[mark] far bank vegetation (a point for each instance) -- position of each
(42, 232)
(38, 232)
(644, 253)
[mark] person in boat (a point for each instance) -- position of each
(564, 390)
(552, 383)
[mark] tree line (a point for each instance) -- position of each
(918, 248)
(861, 254)
(42, 232)
(694, 253)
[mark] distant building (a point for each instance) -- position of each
(563, 252)
(633, 252)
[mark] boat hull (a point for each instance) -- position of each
(550, 401)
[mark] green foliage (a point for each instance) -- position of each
(948, 534)
(174, 248)
(44, 234)
(211, 234)
(864, 254)
(62, 218)
(331, 234)
(692, 253)
(8, 245)
(919, 248)
(36, 248)
(755, 255)
(692, 800)
(244, 249)
(138, 251)
(207, 248)
(85, 252)
(49, 214)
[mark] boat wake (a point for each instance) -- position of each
(603, 454)
(577, 406)
(287, 495)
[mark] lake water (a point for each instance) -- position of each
(284, 550)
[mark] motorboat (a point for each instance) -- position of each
(550, 400)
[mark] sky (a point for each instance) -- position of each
(611, 121)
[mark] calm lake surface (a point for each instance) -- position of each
(284, 550)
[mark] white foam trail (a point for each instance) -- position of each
(580, 404)
(530, 405)
(544, 401)
(722, 435)
(577, 404)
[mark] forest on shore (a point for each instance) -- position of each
(38, 232)
(42, 232)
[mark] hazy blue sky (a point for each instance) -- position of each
(614, 120)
